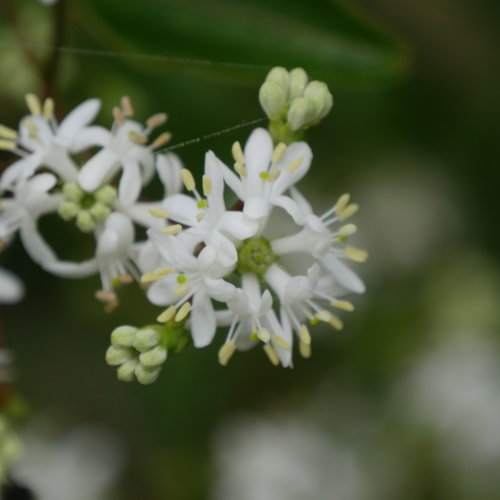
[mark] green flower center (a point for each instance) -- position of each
(255, 256)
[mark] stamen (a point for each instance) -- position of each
(305, 350)
(342, 202)
(163, 271)
(271, 354)
(281, 342)
(207, 185)
(347, 230)
(172, 229)
(7, 133)
(127, 106)
(125, 279)
(183, 312)
(274, 174)
(7, 145)
(264, 334)
(181, 290)
(106, 296)
(155, 275)
(304, 335)
(161, 140)
(294, 165)
(136, 137)
(226, 352)
(348, 211)
(336, 322)
(156, 120)
(356, 254)
(34, 104)
(188, 179)
(278, 152)
(118, 115)
(324, 315)
(159, 212)
(167, 314)
(237, 152)
(240, 169)
(345, 305)
(31, 127)
(48, 108)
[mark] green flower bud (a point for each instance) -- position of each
(146, 339)
(280, 76)
(153, 357)
(99, 211)
(123, 336)
(146, 375)
(273, 99)
(298, 82)
(84, 221)
(68, 210)
(302, 112)
(126, 371)
(320, 97)
(106, 195)
(73, 192)
(116, 355)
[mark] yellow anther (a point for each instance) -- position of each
(172, 229)
(237, 152)
(200, 216)
(264, 335)
(345, 305)
(356, 254)
(183, 311)
(106, 296)
(305, 350)
(161, 140)
(342, 202)
(156, 120)
(136, 137)
(336, 322)
(240, 169)
(34, 104)
(188, 179)
(48, 108)
(207, 185)
(294, 165)
(31, 127)
(118, 115)
(7, 133)
(159, 212)
(155, 275)
(181, 290)
(226, 352)
(278, 152)
(7, 145)
(347, 230)
(304, 335)
(324, 315)
(271, 354)
(125, 279)
(280, 341)
(128, 109)
(274, 174)
(348, 211)
(166, 315)
(163, 271)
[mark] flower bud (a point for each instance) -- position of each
(116, 355)
(273, 99)
(99, 211)
(84, 221)
(301, 113)
(146, 339)
(153, 357)
(298, 82)
(320, 97)
(146, 375)
(123, 336)
(68, 210)
(126, 371)
(279, 76)
(72, 192)
(106, 195)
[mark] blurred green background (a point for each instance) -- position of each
(404, 390)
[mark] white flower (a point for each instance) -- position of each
(266, 174)
(41, 141)
(124, 148)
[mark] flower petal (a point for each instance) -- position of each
(202, 320)
(100, 167)
(75, 121)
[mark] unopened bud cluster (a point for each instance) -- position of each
(140, 353)
(293, 103)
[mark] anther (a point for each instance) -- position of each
(188, 179)
(226, 352)
(167, 315)
(181, 290)
(136, 137)
(294, 165)
(347, 230)
(356, 254)
(278, 152)
(7, 133)
(161, 140)
(159, 212)
(271, 354)
(336, 322)
(7, 145)
(183, 312)
(48, 108)
(207, 185)
(106, 296)
(264, 335)
(304, 335)
(305, 350)
(237, 152)
(342, 202)
(156, 120)
(280, 341)
(173, 229)
(128, 109)
(34, 104)
(240, 169)
(348, 211)
(118, 115)
(345, 305)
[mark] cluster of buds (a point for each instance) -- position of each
(139, 353)
(293, 103)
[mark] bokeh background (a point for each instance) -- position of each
(405, 401)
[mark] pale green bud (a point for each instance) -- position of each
(123, 336)
(116, 355)
(68, 210)
(106, 195)
(84, 221)
(298, 82)
(273, 99)
(99, 211)
(153, 357)
(320, 97)
(280, 76)
(302, 112)
(126, 371)
(73, 192)
(146, 375)
(146, 339)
